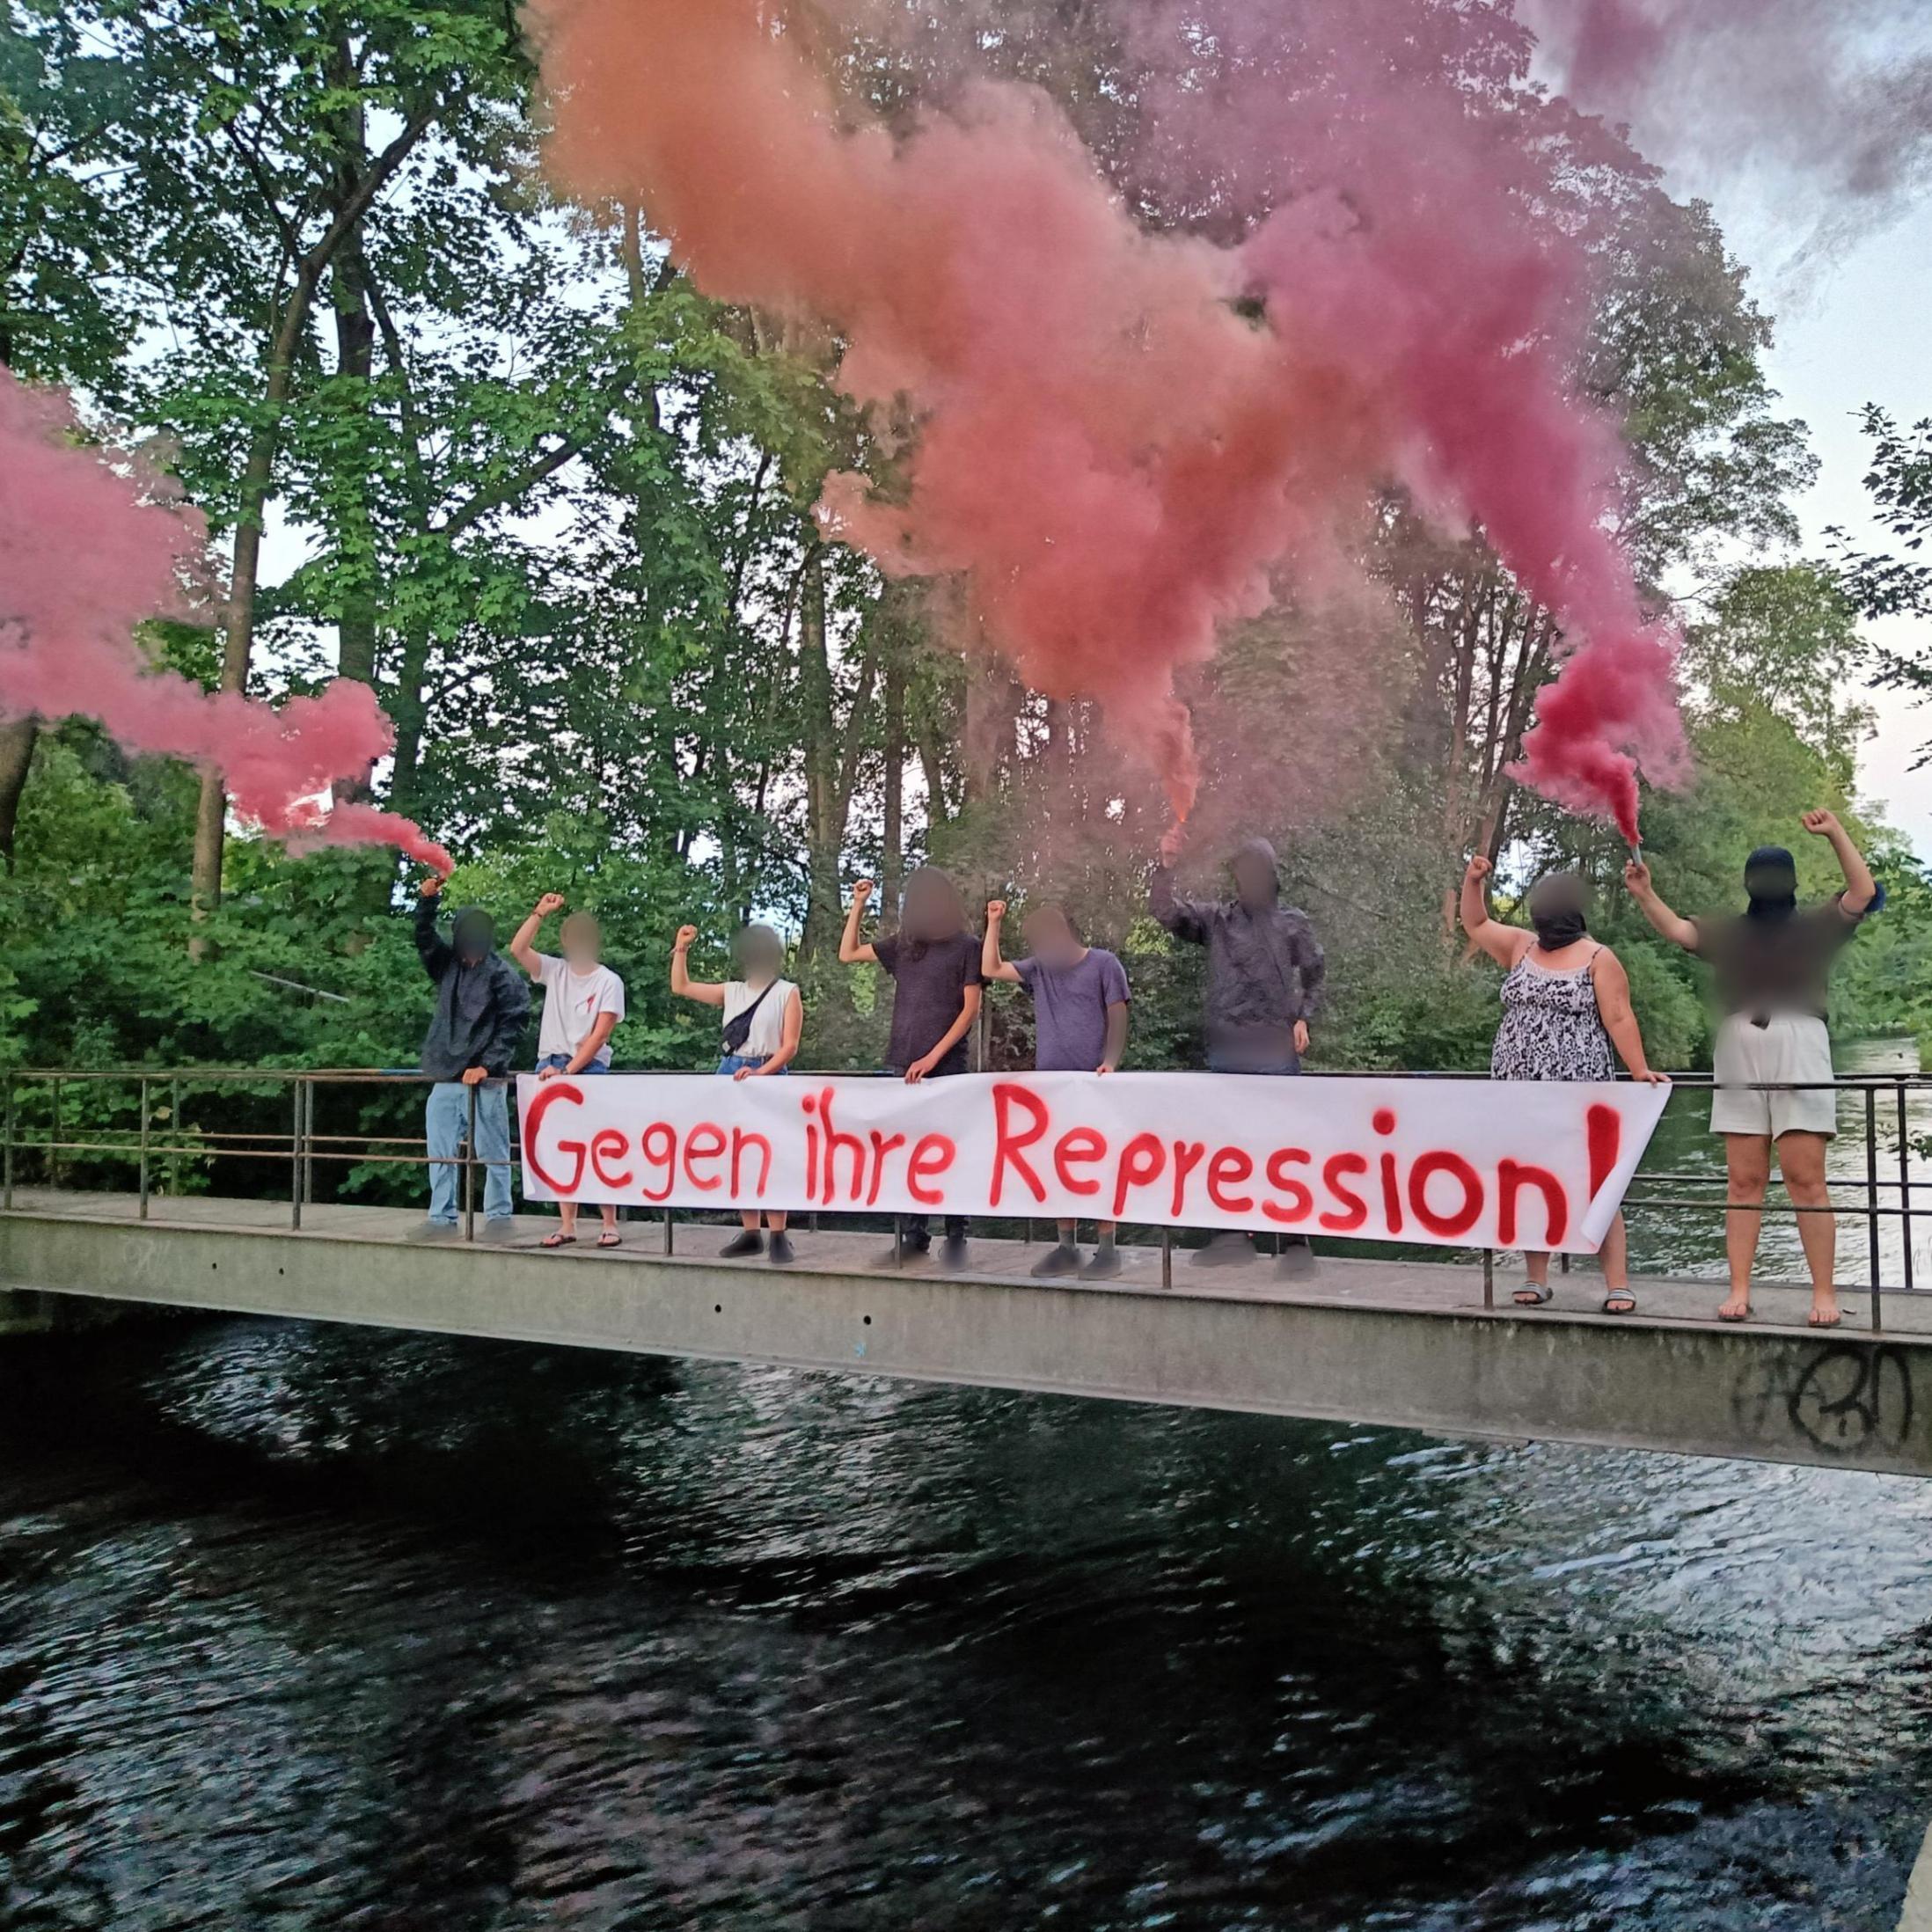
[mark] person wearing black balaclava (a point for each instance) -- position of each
(1773, 1059)
(482, 1006)
(1265, 973)
(1566, 1016)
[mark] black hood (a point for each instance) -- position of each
(472, 934)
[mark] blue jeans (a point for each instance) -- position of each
(447, 1119)
(732, 1062)
(1221, 1061)
(561, 1062)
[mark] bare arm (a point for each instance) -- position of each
(1116, 1037)
(992, 966)
(969, 1012)
(1505, 944)
(1861, 889)
(523, 947)
(851, 953)
(1612, 990)
(1677, 930)
(706, 992)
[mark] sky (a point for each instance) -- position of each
(1856, 333)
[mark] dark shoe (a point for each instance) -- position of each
(1297, 1262)
(781, 1248)
(746, 1241)
(1062, 1260)
(435, 1231)
(1229, 1249)
(913, 1247)
(953, 1251)
(500, 1231)
(1105, 1264)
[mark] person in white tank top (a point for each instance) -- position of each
(763, 1018)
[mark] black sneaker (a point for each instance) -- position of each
(1105, 1264)
(746, 1241)
(910, 1249)
(782, 1247)
(953, 1251)
(1062, 1260)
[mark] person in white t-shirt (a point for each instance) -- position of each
(583, 1000)
(764, 1016)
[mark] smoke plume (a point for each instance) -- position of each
(88, 550)
(1125, 436)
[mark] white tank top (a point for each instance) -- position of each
(767, 1033)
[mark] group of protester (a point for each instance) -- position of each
(1567, 1015)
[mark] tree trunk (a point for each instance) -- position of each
(892, 858)
(17, 743)
(822, 832)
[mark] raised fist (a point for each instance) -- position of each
(1479, 868)
(685, 935)
(861, 891)
(431, 888)
(1820, 824)
(996, 911)
(551, 901)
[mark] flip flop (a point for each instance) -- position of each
(1743, 1314)
(558, 1241)
(1819, 1319)
(609, 1241)
(1530, 1295)
(1620, 1301)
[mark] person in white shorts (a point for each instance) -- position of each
(1773, 1059)
(584, 1001)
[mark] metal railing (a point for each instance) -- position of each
(155, 1153)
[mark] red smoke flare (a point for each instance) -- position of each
(87, 553)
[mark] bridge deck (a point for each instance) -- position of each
(1408, 1344)
(1419, 1287)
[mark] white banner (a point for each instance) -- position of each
(1449, 1162)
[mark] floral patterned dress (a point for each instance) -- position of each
(1551, 1028)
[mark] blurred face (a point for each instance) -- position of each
(931, 906)
(581, 939)
(1050, 938)
(1255, 881)
(473, 936)
(760, 955)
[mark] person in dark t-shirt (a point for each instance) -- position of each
(1773, 1060)
(933, 962)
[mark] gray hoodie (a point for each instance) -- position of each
(1265, 968)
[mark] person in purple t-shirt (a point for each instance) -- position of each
(1079, 1009)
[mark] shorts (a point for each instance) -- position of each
(1794, 1047)
(561, 1062)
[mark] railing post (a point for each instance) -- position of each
(144, 1148)
(308, 1146)
(295, 1145)
(1872, 1257)
(1488, 1279)
(6, 1182)
(1166, 1257)
(53, 1142)
(174, 1135)
(469, 1169)
(1904, 1181)
(668, 1224)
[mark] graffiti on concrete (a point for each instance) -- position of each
(1845, 1398)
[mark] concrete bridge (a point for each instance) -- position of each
(1404, 1344)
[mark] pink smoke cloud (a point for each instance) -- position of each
(1116, 460)
(87, 552)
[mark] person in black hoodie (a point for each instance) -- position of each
(1265, 972)
(482, 1006)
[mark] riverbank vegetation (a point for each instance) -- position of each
(510, 466)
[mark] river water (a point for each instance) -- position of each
(305, 1629)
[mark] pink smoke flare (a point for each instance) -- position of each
(87, 552)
